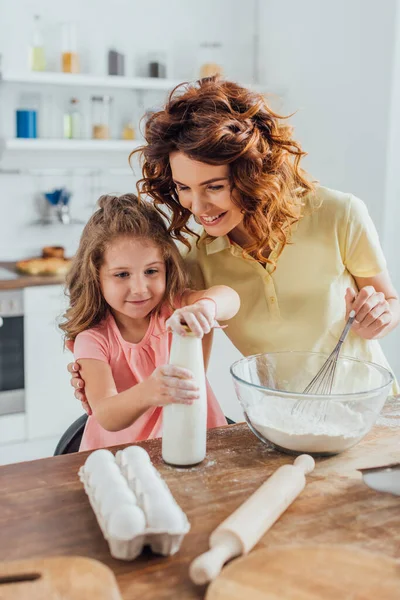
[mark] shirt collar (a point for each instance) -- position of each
(217, 245)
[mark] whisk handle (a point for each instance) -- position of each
(349, 323)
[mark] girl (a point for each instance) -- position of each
(300, 255)
(126, 280)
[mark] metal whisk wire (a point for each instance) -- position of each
(325, 378)
(322, 383)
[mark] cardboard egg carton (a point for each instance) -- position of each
(132, 503)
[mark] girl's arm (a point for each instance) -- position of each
(376, 304)
(94, 384)
(115, 411)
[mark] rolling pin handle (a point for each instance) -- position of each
(305, 462)
(207, 566)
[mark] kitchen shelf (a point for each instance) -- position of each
(69, 145)
(81, 80)
(106, 81)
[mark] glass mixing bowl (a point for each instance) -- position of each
(270, 390)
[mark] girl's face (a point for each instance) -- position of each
(205, 190)
(133, 277)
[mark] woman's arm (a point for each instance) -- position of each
(115, 411)
(227, 300)
(200, 309)
(376, 304)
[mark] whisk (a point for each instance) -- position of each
(322, 383)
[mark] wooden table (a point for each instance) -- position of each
(45, 512)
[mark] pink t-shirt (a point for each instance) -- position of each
(131, 364)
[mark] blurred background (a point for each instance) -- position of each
(75, 80)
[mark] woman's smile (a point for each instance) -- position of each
(209, 221)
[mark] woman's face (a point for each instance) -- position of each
(205, 190)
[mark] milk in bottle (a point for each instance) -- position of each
(185, 426)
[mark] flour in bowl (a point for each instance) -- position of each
(303, 429)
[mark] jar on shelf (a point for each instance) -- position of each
(157, 65)
(101, 117)
(128, 131)
(70, 56)
(210, 59)
(27, 116)
(116, 63)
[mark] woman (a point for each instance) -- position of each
(301, 256)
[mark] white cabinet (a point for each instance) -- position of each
(49, 402)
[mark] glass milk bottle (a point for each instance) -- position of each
(185, 425)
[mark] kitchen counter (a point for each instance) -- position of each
(18, 281)
(44, 510)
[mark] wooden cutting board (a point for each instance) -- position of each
(58, 578)
(308, 573)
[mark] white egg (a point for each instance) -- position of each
(98, 458)
(114, 498)
(144, 471)
(163, 514)
(133, 455)
(161, 511)
(103, 471)
(113, 480)
(126, 522)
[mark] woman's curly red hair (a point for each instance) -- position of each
(219, 122)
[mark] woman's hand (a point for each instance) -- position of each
(79, 385)
(199, 317)
(169, 384)
(373, 312)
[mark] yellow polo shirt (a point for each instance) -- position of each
(300, 305)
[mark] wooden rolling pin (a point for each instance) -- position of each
(239, 533)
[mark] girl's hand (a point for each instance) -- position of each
(79, 385)
(169, 384)
(373, 312)
(199, 317)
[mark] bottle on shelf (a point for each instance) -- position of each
(185, 425)
(73, 121)
(101, 117)
(70, 56)
(37, 59)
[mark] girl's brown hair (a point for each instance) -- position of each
(219, 122)
(117, 216)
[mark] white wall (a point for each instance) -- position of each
(392, 196)
(339, 63)
(335, 59)
(135, 28)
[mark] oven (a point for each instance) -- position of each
(12, 382)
